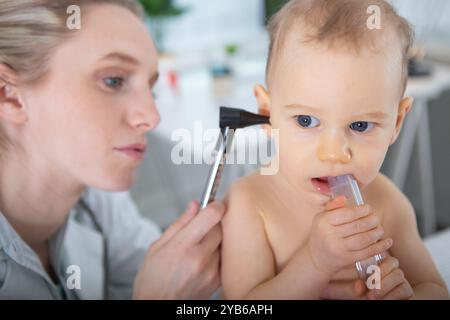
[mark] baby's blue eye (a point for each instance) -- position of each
(307, 121)
(114, 82)
(362, 126)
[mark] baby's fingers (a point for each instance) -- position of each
(388, 265)
(363, 240)
(388, 284)
(347, 215)
(378, 248)
(335, 203)
(401, 292)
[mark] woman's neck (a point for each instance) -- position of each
(34, 198)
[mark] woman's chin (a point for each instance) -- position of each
(115, 184)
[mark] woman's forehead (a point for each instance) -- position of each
(107, 29)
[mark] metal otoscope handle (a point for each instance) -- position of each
(215, 174)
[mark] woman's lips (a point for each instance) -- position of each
(135, 152)
(321, 185)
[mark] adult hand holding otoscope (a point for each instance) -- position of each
(190, 246)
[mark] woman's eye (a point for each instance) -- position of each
(362, 126)
(114, 83)
(307, 121)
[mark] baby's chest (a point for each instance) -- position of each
(285, 240)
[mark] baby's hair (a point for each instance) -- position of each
(336, 23)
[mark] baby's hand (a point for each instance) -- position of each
(393, 282)
(342, 236)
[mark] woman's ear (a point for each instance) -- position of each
(11, 108)
(404, 107)
(263, 100)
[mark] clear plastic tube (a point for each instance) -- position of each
(347, 186)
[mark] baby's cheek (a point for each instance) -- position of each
(370, 163)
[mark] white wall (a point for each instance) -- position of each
(212, 23)
(428, 16)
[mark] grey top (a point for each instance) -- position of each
(95, 255)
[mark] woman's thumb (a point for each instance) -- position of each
(178, 225)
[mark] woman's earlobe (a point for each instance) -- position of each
(11, 109)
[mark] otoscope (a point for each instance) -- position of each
(230, 120)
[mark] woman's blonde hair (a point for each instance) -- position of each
(31, 29)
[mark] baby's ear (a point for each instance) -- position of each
(263, 100)
(11, 108)
(404, 107)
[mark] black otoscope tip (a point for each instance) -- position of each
(238, 118)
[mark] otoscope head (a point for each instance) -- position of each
(238, 118)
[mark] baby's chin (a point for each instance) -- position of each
(318, 201)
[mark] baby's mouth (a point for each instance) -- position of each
(321, 185)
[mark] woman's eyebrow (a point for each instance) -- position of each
(131, 60)
(154, 78)
(121, 56)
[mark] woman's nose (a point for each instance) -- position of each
(145, 115)
(334, 147)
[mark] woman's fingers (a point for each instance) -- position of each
(178, 225)
(203, 222)
(212, 240)
(212, 275)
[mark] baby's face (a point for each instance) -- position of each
(336, 113)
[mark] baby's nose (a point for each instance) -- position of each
(335, 149)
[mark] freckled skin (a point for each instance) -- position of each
(75, 119)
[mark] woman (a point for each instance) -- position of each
(75, 108)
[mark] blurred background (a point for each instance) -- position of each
(212, 53)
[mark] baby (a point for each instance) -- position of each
(335, 93)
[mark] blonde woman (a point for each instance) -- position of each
(75, 108)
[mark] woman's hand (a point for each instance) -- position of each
(184, 262)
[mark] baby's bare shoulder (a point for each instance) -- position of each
(390, 202)
(383, 191)
(245, 191)
(242, 198)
